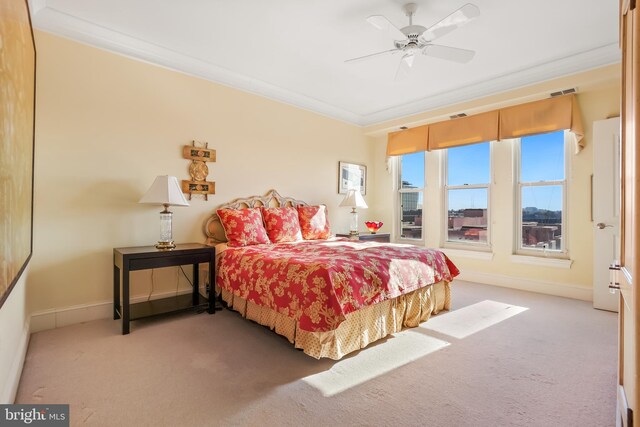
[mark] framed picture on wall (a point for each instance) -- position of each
(17, 100)
(352, 175)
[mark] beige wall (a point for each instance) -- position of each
(107, 125)
(14, 335)
(598, 98)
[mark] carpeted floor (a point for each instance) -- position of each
(501, 357)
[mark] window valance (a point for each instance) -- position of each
(464, 131)
(547, 115)
(408, 141)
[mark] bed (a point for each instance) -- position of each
(329, 296)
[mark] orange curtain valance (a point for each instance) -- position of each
(408, 141)
(464, 131)
(547, 115)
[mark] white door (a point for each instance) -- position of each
(606, 209)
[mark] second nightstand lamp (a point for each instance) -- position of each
(353, 200)
(165, 191)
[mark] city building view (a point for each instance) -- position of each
(411, 222)
(541, 177)
(541, 229)
(467, 225)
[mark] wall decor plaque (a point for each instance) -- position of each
(198, 169)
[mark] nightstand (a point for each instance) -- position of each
(369, 237)
(126, 260)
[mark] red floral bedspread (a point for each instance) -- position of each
(319, 282)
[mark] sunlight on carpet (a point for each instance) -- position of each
(375, 361)
(471, 319)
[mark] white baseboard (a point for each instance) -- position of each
(59, 317)
(584, 293)
(11, 387)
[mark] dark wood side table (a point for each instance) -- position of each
(126, 260)
(369, 237)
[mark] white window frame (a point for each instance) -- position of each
(544, 252)
(445, 204)
(400, 191)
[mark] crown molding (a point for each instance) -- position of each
(573, 64)
(50, 20)
(61, 24)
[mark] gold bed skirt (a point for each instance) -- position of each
(359, 329)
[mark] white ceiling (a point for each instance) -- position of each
(294, 50)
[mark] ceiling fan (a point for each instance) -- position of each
(414, 39)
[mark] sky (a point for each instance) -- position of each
(543, 160)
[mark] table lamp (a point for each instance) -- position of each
(165, 191)
(353, 200)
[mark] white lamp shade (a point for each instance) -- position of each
(353, 199)
(165, 190)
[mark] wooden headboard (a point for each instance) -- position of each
(213, 228)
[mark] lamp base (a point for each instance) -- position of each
(353, 227)
(165, 245)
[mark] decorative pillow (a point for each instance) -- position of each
(243, 227)
(282, 224)
(314, 223)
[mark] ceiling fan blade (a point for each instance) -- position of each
(371, 55)
(457, 19)
(382, 23)
(449, 53)
(405, 66)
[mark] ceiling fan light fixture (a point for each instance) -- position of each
(409, 58)
(412, 39)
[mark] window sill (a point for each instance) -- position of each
(415, 242)
(542, 261)
(460, 253)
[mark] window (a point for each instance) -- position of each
(542, 193)
(468, 174)
(411, 189)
